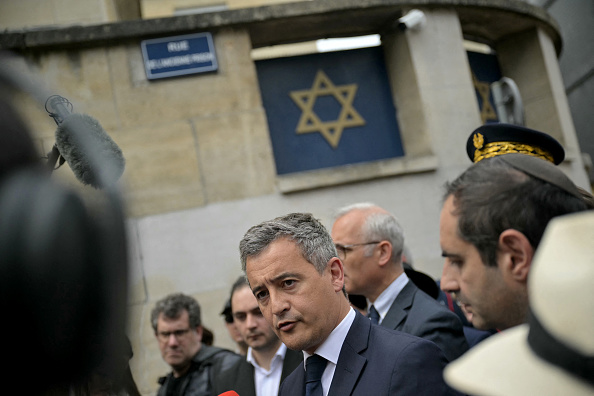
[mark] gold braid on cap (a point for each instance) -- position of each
(494, 149)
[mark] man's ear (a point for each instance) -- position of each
(385, 252)
(336, 271)
(517, 253)
(199, 332)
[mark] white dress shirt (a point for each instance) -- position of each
(268, 381)
(330, 349)
(384, 301)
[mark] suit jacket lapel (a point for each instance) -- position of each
(298, 386)
(399, 309)
(350, 362)
(291, 361)
(245, 383)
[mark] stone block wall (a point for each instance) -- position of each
(200, 169)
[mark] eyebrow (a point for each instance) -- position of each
(280, 276)
(256, 308)
(449, 255)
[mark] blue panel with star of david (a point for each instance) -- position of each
(485, 68)
(329, 109)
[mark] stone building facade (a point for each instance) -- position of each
(200, 163)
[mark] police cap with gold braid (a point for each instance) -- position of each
(491, 140)
(532, 152)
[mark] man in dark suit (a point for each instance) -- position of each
(298, 280)
(268, 361)
(370, 242)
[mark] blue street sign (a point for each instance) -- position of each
(179, 55)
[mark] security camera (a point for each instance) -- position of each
(413, 19)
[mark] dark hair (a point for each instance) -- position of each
(207, 336)
(112, 376)
(226, 312)
(239, 283)
(172, 307)
(492, 196)
(308, 233)
(587, 197)
(358, 301)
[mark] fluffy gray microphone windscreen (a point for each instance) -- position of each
(79, 134)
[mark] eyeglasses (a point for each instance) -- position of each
(343, 249)
(164, 335)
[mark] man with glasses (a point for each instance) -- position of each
(176, 322)
(369, 242)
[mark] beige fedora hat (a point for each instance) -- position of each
(554, 353)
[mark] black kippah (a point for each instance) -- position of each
(542, 170)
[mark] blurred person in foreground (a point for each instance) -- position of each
(63, 262)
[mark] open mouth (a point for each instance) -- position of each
(286, 326)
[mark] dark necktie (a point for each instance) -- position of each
(373, 315)
(314, 368)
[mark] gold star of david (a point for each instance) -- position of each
(330, 130)
(483, 88)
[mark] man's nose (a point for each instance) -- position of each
(279, 305)
(449, 278)
(172, 340)
(251, 321)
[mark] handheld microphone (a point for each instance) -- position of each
(229, 393)
(76, 136)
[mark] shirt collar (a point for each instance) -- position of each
(330, 348)
(279, 355)
(384, 301)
